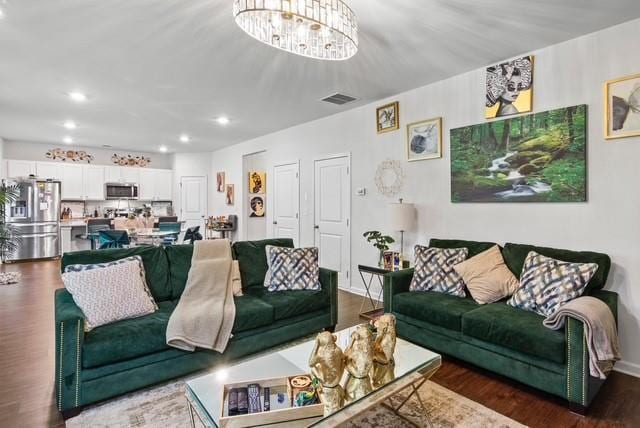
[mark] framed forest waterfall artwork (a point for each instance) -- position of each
(538, 157)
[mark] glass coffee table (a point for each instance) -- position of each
(414, 366)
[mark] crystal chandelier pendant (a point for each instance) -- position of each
(320, 29)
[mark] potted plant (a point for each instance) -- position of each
(9, 235)
(379, 241)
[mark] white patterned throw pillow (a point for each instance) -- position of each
(111, 293)
(546, 284)
(292, 269)
(434, 270)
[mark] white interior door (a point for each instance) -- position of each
(286, 202)
(193, 201)
(332, 208)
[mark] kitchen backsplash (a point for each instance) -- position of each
(80, 209)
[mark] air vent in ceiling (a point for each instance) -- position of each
(339, 99)
(107, 146)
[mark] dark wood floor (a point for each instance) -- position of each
(27, 367)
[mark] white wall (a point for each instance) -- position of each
(1, 157)
(567, 74)
(254, 228)
(36, 152)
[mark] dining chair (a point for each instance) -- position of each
(168, 219)
(191, 235)
(113, 239)
(94, 225)
(170, 227)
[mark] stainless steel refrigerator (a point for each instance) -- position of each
(36, 216)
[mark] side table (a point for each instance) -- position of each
(371, 271)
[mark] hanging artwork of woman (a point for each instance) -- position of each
(622, 100)
(509, 88)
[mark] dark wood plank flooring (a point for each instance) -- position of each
(27, 367)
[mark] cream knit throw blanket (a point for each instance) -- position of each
(205, 313)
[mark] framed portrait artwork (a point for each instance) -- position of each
(230, 194)
(424, 139)
(256, 207)
(388, 117)
(622, 107)
(257, 182)
(220, 182)
(509, 88)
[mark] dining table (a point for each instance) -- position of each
(137, 236)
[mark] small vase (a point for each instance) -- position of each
(381, 260)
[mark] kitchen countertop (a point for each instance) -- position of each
(74, 222)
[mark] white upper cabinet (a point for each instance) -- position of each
(93, 180)
(147, 185)
(155, 184)
(112, 174)
(72, 181)
(49, 170)
(164, 185)
(130, 174)
(20, 168)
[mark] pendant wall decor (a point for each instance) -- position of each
(130, 160)
(69, 155)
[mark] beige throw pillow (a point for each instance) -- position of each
(487, 276)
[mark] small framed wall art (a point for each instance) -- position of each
(257, 182)
(256, 206)
(230, 194)
(509, 88)
(220, 181)
(388, 117)
(424, 139)
(622, 107)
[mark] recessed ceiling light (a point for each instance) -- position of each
(222, 120)
(70, 124)
(67, 140)
(1, 14)
(184, 138)
(77, 96)
(163, 149)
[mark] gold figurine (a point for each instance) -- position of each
(327, 365)
(359, 362)
(383, 363)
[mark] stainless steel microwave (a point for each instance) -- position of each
(121, 191)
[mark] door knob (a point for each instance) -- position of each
(316, 227)
(275, 222)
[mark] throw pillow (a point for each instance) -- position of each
(546, 284)
(138, 259)
(110, 293)
(487, 276)
(292, 269)
(434, 270)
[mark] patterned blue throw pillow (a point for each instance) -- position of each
(546, 284)
(434, 270)
(292, 269)
(138, 259)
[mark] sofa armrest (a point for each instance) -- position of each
(329, 281)
(394, 283)
(581, 387)
(69, 325)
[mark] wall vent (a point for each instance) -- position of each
(339, 99)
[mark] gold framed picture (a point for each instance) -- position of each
(257, 182)
(622, 107)
(230, 195)
(220, 181)
(509, 88)
(388, 117)
(424, 139)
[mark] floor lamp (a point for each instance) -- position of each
(403, 218)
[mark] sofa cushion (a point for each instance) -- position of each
(179, 258)
(154, 259)
(287, 304)
(434, 271)
(440, 309)
(515, 255)
(127, 339)
(253, 259)
(251, 313)
(515, 329)
(474, 247)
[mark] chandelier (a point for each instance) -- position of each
(321, 29)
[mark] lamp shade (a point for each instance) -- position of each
(403, 216)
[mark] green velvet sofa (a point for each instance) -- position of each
(498, 337)
(131, 354)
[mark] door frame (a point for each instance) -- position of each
(347, 285)
(272, 201)
(206, 197)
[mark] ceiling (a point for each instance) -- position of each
(154, 69)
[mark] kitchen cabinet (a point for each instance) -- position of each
(112, 174)
(93, 182)
(122, 174)
(155, 184)
(49, 170)
(20, 168)
(72, 181)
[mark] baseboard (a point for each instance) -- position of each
(627, 368)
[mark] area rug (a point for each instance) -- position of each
(166, 407)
